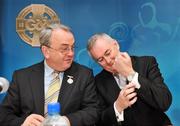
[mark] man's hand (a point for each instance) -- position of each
(123, 64)
(33, 120)
(126, 98)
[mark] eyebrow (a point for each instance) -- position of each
(106, 51)
(103, 54)
(67, 44)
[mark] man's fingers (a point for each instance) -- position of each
(125, 55)
(36, 122)
(129, 91)
(132, 101)
(131, 96)
(38, 117)
(130, 85)
(33, 120)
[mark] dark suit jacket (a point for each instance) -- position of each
(153, 97)
(26, 96)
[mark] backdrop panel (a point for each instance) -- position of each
(142, 27)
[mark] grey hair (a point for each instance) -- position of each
(94, 38)
(45, 34)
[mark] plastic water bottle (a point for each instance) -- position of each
(54, 118)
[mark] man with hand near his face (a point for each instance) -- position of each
(131, 89)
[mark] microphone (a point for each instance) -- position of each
(4, 85)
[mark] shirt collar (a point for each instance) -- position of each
(119, 76)
(48, 69)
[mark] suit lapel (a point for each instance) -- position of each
(133, 62)
(37, 85)
(111, 87)
(115, 89)
(66, 87)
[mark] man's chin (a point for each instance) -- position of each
(66, 67)
(68, 64)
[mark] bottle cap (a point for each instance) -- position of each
(53, 108)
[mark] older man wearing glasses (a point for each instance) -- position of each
(28, 96)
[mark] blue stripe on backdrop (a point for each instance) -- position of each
(142, 27)
(2, 68)
(1, 34)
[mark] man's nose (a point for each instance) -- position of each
(108, 59)
(70, 53)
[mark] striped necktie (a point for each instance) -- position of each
(53, 91)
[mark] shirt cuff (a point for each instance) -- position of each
(135, 80)
(119, 115)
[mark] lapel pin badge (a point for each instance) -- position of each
(70, 79)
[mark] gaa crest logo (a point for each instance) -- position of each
(32, 19)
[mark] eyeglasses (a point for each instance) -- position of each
(64, 50)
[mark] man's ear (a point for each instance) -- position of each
(117, 44)
(45, 51)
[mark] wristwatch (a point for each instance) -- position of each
(131, 76)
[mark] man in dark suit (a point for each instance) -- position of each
(131, 89)
(25, 100)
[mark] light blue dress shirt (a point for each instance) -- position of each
(48, 77)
